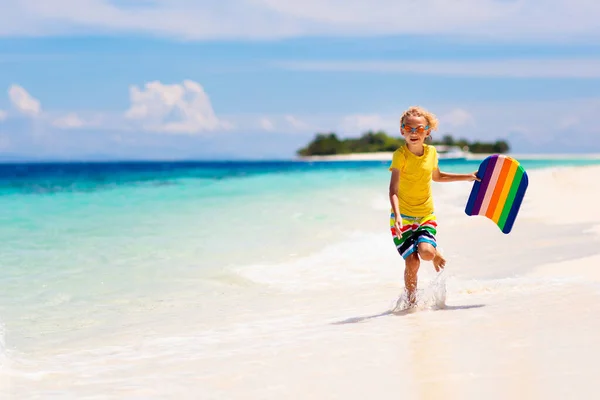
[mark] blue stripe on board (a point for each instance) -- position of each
(516, 204)
(475, 189)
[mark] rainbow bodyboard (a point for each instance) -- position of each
(500, 193)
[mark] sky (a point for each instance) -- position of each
(257, 79)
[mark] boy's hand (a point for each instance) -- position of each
(473, 177)
(398, 226)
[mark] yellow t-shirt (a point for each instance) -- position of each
(414, 186)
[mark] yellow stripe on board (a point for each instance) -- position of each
(505, 190)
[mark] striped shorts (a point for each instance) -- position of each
(415, 230)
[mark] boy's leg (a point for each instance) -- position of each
(407, 248)
(411, 270)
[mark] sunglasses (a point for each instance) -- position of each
(418, 129)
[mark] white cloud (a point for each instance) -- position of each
(457, 117)
(568, 121)
(23, 101)
(360, 123)
(266, 124)
(512, 68)
(295, 123)
(173, 108)
(69, 121)
(191, 19)
(177, 108)
(547, 126)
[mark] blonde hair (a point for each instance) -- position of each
(416, 111)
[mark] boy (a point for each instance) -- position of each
(413, 222)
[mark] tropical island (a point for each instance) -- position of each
(328, 144)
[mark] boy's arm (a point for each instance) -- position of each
(439, 176)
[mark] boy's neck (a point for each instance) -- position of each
(417, 149)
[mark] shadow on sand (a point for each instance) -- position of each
(355, 320)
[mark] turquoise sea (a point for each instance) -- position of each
(104, 253)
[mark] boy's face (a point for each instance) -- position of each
(415, 129)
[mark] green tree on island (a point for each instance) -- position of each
(329, 144)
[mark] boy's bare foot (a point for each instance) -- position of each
(439, 262)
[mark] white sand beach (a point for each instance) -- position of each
(516, 318)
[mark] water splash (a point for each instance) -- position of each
(433, 297)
